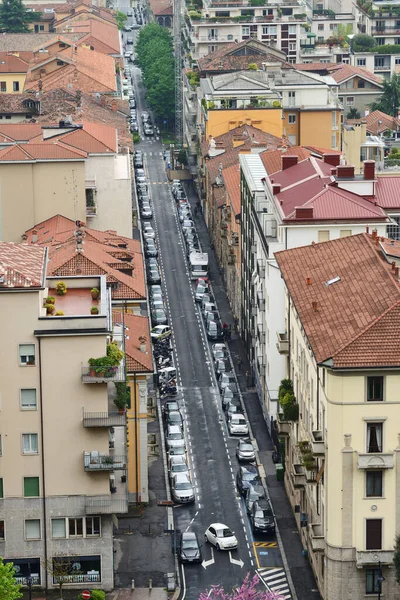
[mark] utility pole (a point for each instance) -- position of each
(178, 73)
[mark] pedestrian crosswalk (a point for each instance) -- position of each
(275, 580)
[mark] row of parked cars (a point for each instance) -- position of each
(209, 311)
(185, 217)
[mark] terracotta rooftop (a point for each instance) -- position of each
(375, 127)
(19, 132)
(137, 327)
(102, 35)
(14, 42)
(93, 138)
(15, 62)
(316, 66)
(104, 253)
(21, 266)
(38, 152)
(161, 7)
(352, 322)
(237, 56)
(231, 177)
(343, 72)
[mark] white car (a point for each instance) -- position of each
(160, 331)
(174, 436)
(221, 537)
(148, 232)
(237, 424)
(177, 464)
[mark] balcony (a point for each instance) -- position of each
(94, 375)
(94, 461)
(381, 460)
(103, 419)
(91, 209)
(105, 505)
(384, 67)
(260, 333)
(261, 301)
(318, 443)
(283, 342)
(374, 557)
(299, 476)
(283, 426)
(317, 537)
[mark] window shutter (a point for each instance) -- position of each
(31, 486)
(374, 534)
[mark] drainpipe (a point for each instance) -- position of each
(43, 468)
(318, 398)
(289, 338)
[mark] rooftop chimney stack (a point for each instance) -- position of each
(369, 170)
(396, 272)
(289, 161)
(308, 280)
(276, 188)
(332, 159)
(314, 305)
(345, 171)
(374, 234)
(34, 236)
(333, 171)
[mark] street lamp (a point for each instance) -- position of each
(380, 578)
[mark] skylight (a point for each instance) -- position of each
(332, 281)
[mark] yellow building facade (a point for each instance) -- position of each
(219, 121)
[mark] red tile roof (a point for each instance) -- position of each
(102, 35)
(355, 321)
(104, 253)
(272, 159)
(345, 72)
(315, 66)
(19, 132)
(21, 266)
(15, 62)
(161, 7)
(387, 192)
(137, 327)
(231, 177)
(379, 122)
(33, 152)
(237, 56)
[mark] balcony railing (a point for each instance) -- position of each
(381, 460)
(24, 580)
(283, 342)
(91, 211)
(317, 537)
(385, 30)
(106, 505)
(94, 461)
(317, 443)
(103, 419)
(382, 67)
(299, 476)
(94, 375)
(283, 426)
(84, 578)
(374, 557)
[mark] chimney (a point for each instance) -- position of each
(393, 265)
(369, 170)
(332, 159)
(345, 172)
(333, 171)
(396, 272)
(366, 229)
(304, 212)
(308, 280)
(276, 188)
(34, 236)
(289, 161)
(114, 105)
(143, 346)
(374, 234)
(314, 305)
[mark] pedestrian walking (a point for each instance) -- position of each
(239, 363)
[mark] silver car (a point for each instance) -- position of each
(174, 436)
(245, 451)
(177, 465)
(181, 489)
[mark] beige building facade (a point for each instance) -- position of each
(342, 452)
(60, 482)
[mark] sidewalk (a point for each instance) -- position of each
(299, 566)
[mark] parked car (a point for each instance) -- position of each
(237, 423)
(160, 331)
(177, 464)
(227, 380)
(245, 451)
(233, 407)
(182, 489)
(218, 348)
(175, 418)
(146, 212)
(159, 317)
(221, 537)
(221, 366)
(178, 450)
(150, 250)
(174, 436)
(261, 517)
(148, 231)
(129, 39)
(254, 492)
(155, 289)
(227, 400)
(201, 289)
(246, 475)
(189, 550)
(214, 331)
(169, 406)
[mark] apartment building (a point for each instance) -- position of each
(340, 441)
(13, 70)
(357, 146)
(299, 204)
(381, 64)
(60, 483)
(72, 169)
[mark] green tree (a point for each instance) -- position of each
(353, 114)
(363, 42)
(389, 102)
(14, 18)
(396, 558)
(9, 588)
(121, 19)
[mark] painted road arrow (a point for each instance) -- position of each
(236, 562)
(208, 563)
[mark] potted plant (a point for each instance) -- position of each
(94, 310)
(114, 353)
(120, 403)
(92, 366)
(59, 313)
(95, 293)
(61, 288)
(107, 460)
(50, 300)
(49, 308)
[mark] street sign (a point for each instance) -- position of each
(86, 595)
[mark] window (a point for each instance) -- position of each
(375, 389)
(397, 61)
(350, 100)
(345, 232)
(291, 119)
(27, 354)
(340, 99)
(373, 534)
(334, 122)
(292, 29)
(292, 98)
(41, 27)
(2, 531)
(93, 526)
(29, 443)
(373, 484)
(292, 46)
(31, 487)
(83, 569)
(1, 488)
(374, 437)
(28, 399)
(32, 529)
(361, 62)
(321, 38)
(333, 26)
(361, 84)
(245, 31)
(333, 142)
(15, 86)
(3, 86)
(393, 230)
(75, 527)
(60, 63)
(371, 581)
(320, 26)
(323, 236)
(58, 529)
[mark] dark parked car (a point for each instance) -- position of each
(153, 276)
(159, 317)
(150, 250)
(255, 492)
(189, 548)
(246, 475)
(262, 517)
(214, 331)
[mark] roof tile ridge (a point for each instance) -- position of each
(366, 328)
(70, 148)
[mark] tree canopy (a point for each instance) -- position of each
(9, 588)
(389, 102)
(363, 42)
(154, 55)
(121, 19)
(14, 18)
